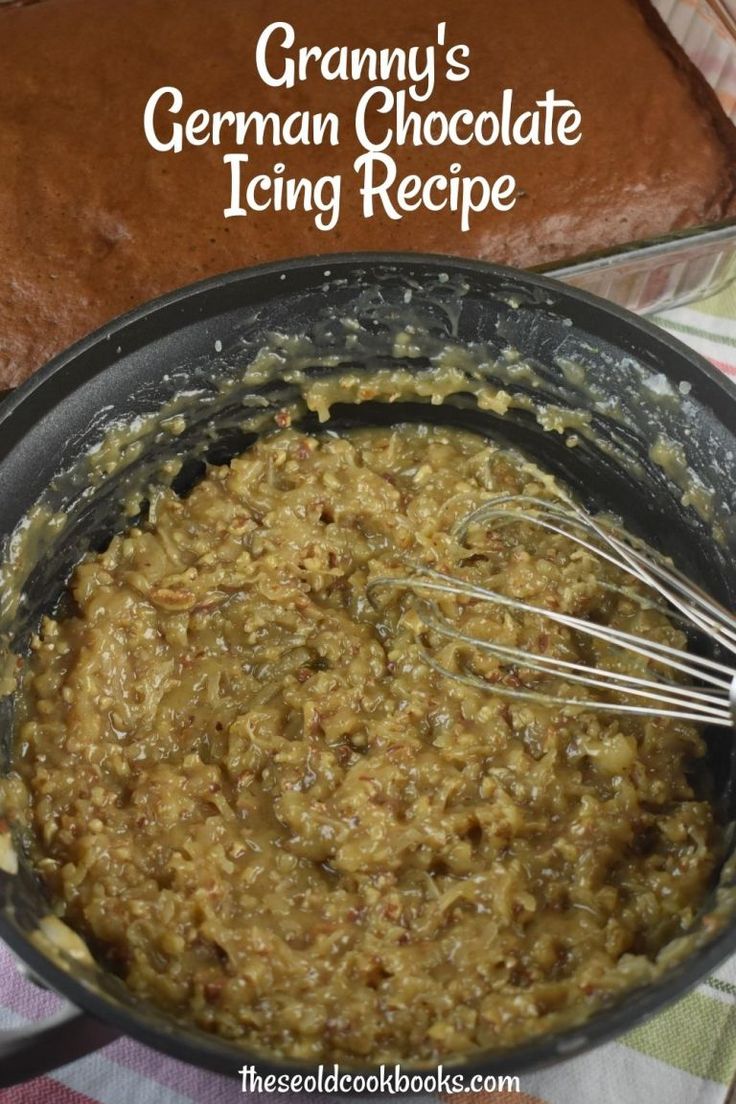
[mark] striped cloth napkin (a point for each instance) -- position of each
(686, 1055)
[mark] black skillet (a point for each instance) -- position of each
(640, 385)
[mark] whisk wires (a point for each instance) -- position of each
(704, 690)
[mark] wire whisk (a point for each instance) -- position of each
(675, 683)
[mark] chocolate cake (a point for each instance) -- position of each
(94, 221)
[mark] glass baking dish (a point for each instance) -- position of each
(689, 264)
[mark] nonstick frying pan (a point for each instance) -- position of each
(637, 386)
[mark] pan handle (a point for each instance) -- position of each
(35, 1049)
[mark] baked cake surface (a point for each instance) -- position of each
(94, 222)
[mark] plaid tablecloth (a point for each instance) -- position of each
(687, 1055)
